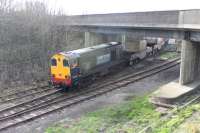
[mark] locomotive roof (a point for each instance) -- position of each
(78, 52)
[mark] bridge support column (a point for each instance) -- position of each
(189, 75)
(92, 39)
(123, 40)
(190, 58)
(87, 42)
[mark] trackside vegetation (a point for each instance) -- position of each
(130, 117)
(169, 55)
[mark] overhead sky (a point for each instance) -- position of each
(75, 7)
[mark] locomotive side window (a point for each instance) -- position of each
(65, 63)
(53, 62)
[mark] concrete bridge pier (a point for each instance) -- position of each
(87, 41)
(123, 40)
(190, 62)
(189, 74)
(91, 38)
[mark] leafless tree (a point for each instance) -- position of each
(5, 5)
(28, 37)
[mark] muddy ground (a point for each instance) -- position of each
(112, 98)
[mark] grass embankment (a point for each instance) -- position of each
(130, 117)
(191, 125)
(169, 55)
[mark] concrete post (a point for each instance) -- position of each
(189, 62)
(87, 39)
(123, 40)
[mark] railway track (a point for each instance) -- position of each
(36, 108)
(24, 93)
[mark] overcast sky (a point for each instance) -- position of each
(74, 7)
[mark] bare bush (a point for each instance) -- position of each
(28, 37)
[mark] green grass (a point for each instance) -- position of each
(179, 116)
(130, 117)
(138, 110)
(169, 55)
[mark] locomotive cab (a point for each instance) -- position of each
(60, 71)
(64, 70)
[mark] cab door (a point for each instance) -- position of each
(75, 71)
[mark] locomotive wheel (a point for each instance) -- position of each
(131, 63)
(137, 60)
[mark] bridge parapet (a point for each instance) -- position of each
(185, 19)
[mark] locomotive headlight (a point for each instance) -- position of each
(67, 77)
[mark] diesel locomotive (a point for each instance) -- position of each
(69, 68)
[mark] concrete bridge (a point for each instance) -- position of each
(183, 25)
